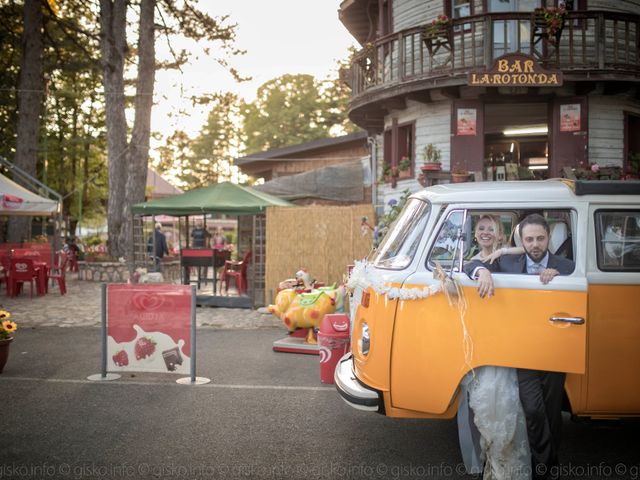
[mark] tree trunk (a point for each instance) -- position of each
(139, 145)
(113, 46)
(30, 94)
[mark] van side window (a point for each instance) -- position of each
(497, 229)
(446, 242)
(618, 240)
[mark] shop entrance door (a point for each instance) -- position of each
(516, 140)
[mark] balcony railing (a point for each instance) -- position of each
(605, 43)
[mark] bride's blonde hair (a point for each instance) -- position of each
(497, 230)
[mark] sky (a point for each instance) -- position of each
(280, 36)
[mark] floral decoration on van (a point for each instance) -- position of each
(363, 277)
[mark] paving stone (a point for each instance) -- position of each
(81, 307)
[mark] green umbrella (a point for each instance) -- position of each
(226, 197)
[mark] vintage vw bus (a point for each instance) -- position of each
(411, 347)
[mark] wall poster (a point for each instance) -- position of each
(466, 121)
(570, 117)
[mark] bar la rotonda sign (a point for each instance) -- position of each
(515, 70)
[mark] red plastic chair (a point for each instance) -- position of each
(21, 270)
(57, 273)
(238, 272)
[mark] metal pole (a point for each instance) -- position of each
(373, 159)
(153, 235)
(193, 334)
(103, 375)
(103, 328)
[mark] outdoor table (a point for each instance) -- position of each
(42, 255)
(203, 257)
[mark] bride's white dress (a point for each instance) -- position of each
(492, 426)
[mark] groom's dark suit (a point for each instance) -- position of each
(518, 264)
(541, 393)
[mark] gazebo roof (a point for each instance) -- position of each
(226, 197)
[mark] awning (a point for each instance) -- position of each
(17, 200)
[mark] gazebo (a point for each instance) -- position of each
(18, 200)
(226, 198)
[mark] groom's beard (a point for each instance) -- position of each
(536, 254)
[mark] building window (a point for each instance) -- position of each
(461, 8)
(455, 9)
(399, 157)
(511, 36)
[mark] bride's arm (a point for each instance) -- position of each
(503, 251)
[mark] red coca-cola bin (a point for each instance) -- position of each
(333, 340)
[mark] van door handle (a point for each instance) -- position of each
(574, 320)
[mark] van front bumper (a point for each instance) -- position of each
(351, 390)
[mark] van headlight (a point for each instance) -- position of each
(365, 340)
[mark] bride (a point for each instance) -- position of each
(491, 423)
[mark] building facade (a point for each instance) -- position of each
(328, 171)
(304, 157)
(500, 88)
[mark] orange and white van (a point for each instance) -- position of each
(411, 346)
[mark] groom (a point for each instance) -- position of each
(541, 393)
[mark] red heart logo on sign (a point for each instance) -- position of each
(147, 301)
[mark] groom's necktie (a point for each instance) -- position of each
(535, 269)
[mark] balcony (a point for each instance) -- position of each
(593, 45)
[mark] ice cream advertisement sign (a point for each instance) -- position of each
(148, 328)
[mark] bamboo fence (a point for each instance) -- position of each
(319, 238)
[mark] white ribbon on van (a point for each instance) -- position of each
(363, 277)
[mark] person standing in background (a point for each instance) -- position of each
(199, 235)
(219, 239)
(161, 247)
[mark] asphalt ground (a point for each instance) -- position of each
(264, 415)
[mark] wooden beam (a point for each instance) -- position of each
(422, 96)
(450, 92)
(585, 88)
(395, 103)
(614, 88)
(375, 129)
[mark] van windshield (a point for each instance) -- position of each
(401, 242)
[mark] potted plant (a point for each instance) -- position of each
(437, 34)
(551, 21)
(633, 169)
(459, 175)
(7, 327)
(405, 164)
(431, 156)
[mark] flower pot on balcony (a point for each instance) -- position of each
(549, 22)
(431, 167)
(436, 39)
(460, 177)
